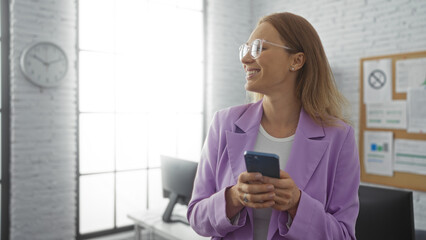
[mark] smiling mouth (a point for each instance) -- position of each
(251, 73)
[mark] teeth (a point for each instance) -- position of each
(252, 72)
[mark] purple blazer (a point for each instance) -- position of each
(323, 163)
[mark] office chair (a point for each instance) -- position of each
(385, 214)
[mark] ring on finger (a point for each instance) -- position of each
(245, 198)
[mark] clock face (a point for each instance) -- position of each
(45, 64)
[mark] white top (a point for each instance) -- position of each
(282, 147)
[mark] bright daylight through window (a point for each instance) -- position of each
(140, 95)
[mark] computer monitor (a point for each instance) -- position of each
(178, 180)
(385, 214)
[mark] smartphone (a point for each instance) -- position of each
(268, 164)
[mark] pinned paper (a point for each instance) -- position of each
(410, 156)
(378, 148)
(410, 73)
(416, 108)
(387, 115)
(377, 81)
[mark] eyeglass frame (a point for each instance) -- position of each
(260, 46)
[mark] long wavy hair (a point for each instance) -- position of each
(315, 84)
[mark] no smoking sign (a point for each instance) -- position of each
(377, 79)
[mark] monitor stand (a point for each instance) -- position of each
(167, 215)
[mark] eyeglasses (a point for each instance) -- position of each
(255, 48)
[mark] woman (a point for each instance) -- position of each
(298, 117)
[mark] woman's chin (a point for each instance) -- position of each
(249, 86)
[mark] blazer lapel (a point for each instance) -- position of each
(237, 144)
(243, 137)
(306, 153)
(307, 150)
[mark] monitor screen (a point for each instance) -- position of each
(178, 180)
(385, 214)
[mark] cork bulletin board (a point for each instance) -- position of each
(399, 179)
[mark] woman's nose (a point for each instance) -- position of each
(247, 58)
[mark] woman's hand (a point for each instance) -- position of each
(250, 191)
(287, 194)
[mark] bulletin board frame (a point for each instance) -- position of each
(399, 179)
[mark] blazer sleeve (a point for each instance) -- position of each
(337, 220)
(207, 208)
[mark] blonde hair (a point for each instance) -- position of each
(315, 84)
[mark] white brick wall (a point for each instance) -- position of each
(229, 25)
(349, 30)
(44, 124)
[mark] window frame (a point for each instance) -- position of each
(5, 120)
(78, 174)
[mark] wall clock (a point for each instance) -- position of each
(44, 64)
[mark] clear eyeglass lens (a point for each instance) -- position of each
(243, 50)
(256, 48)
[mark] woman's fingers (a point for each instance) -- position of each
(249, 177)
(286, 199)
(282, 197)
(252, 183)
(253, 192)
(287, 194)
(279, 182)
(258, 200)
(257, 191)
(256, 188)
(283, 193)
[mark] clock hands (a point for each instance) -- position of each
(41, 60)
(44, 62)
(54, 61)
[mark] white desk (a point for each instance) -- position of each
(151, 220)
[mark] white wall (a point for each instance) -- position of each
(228, 26)
(44, 126)
(349, 30)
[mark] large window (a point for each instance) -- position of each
(140, 96)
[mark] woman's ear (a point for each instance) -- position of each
(298, 60)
